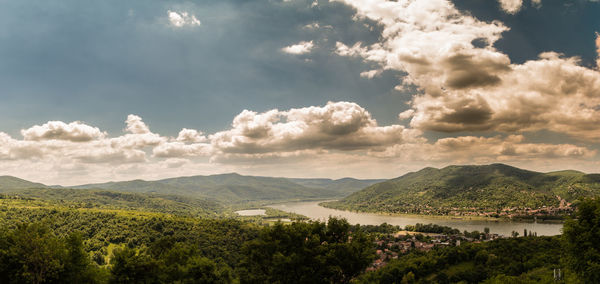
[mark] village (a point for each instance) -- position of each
(391, 246)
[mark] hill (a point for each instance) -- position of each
(10, 183)
(340, 187)
(238, 189)
(472, 188)
(102, 199)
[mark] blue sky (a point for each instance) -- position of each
(199, 64)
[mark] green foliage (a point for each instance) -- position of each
(432, 228)
(130, 267)
(522, 260)
(311, 252)
(238, 189)
(12, 183)
(178, 263)
(472, 188)
(215, 238)
(340, 187)
(31, 253)
(581, 241)
(83, 198)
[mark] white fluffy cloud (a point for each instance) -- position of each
(182, 19)
(299, 48)
(191, 135)
(597, 50)
(468, 85)
(334, 140)
(511, 6)
(76, 142)
(340, 126)
(58, 130)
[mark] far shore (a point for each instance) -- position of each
(448, 217)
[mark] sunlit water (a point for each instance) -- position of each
(314, 211)
(252, 212)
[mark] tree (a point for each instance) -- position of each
(129, 266)
(31, 253)
(580, 238)
(408, 278)
(312, 252)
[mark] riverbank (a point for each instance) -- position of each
(503, 227)
(526, 219)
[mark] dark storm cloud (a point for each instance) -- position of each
(467, 71)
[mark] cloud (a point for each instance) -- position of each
(182, 19)
(58, 130)
(552, 93)
(597, 50)
(75, 142)
(371, 73)
(334, 140)
(512, 6)
(477, 149)
(135, 125)
(179, 149)
(344, 50)
(473, 87)
(312, 26)
(190, 135)
(299, 48)
(340, 126)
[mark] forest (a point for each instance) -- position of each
(495, 191)
(50, 243)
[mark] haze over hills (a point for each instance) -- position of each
(490, 187)
(343, 186)
(11, 183)
(225, 188)
(236, 188)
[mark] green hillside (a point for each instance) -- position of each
(10, 183)
(102, 199)
(488, 187)
(341, 187)
(237, 189)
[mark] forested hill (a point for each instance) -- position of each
(11, 183)
(237, 189)
(114, 200)
(492, 187)
(342, 187)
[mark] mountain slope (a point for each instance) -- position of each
(103, 199)
(235, 189)
(489, 187)
(341, 187)
(225, 188)
(10, 183)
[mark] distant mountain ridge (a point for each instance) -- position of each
(236, 188)
(105, 199)
(10, 183)
(491, 187)
(229, 188)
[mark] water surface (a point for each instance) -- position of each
(312, 210)
(251, 212)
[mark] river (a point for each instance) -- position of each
(312, 210)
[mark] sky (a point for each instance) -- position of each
(93, 91)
